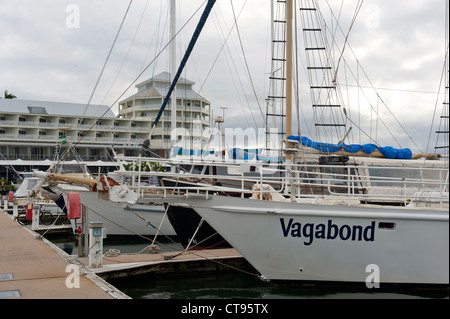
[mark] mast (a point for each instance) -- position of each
(173, 98)
(288, 74)
(146, 144)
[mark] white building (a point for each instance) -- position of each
(193, 111)
(34, 131)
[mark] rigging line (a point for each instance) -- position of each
(373, 87)
(128, 52)
(231, 67)
(200, 25)
(180, 251)
(131, 231)
(155, 37)
(444, 69)
(107, 59)
(390, 89)
(131, 84)
(358, 8)
(245, 58)
(216, 59)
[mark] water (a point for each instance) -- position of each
(229, 283)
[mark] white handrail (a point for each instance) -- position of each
(306, 180)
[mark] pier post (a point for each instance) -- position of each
(15, 211)
(35, 217)
(96, 244)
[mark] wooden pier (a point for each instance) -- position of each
(31, 267)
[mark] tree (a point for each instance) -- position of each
(9, 95)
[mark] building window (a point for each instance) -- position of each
(41, 133)
(22, 119)
(41, 120)
(62, 121)
(22, 132)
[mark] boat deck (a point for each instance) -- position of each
(33, 268)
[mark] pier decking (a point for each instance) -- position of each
(34, 268)
(31, 267)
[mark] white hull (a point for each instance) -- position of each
(119, 220)
(414, 251)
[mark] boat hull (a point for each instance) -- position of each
(121, 220)
(293, 242)
(185, 221)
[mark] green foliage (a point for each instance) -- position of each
(7, 185)
(145, 167)
(9, 95)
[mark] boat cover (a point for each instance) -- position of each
(387, 151)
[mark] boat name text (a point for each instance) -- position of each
(330, 231)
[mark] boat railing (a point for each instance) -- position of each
(353, 183)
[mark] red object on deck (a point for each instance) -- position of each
(74, 206)
(11, 196)
(30, 211)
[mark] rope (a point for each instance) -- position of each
(72, 146)
(358, 8)
(107, 59)
(116, 252)
(245, 58)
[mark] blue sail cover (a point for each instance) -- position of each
(387, 151)
(245, 154)
(250, 154)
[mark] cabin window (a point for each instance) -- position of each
(384, 225)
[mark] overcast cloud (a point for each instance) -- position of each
(54, 50)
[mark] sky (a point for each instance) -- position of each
(54, 50)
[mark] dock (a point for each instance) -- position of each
(31, 267)
(166, 263)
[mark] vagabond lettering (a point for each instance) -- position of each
(329, 231)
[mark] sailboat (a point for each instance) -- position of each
(341, 216)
